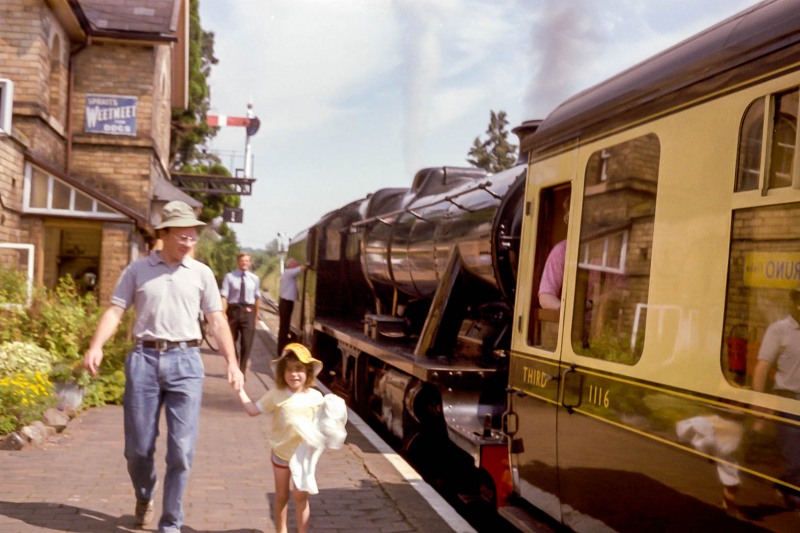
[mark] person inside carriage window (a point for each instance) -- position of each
(552, 282)
(780, 349)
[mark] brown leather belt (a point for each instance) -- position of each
(163, 346)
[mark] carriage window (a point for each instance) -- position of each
(750, 147)
(551, 248)
(784, 137)
(781, 139)
(762, 297)
(613, 277)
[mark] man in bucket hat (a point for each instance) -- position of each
(168, 290)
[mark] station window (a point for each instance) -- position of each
(46, 194)
(616, 237)
(763, 283)
(779, 164)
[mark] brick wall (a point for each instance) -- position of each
(122, 172)
(123, 165)
(115, 257)
(35, 54)
(10, 191)
(118, 70)
(25, 56)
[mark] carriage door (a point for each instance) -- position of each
(605, 318)
(535, 356)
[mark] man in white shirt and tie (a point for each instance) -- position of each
(241, 294)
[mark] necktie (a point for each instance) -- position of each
(241, 290)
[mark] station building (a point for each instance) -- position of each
(88, 88)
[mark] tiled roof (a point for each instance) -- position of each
(141, 16)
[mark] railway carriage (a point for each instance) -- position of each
(634, 406)
(639, 403)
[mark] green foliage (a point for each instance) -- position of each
(13, 286)
(18, 357)
(23, 399)
(189, 130)
(190, 133)
(270, 274)
(105, 389)
(62, 321)
(12, 325)
(612, 347)
(496, 153)
(51, 337)
(260, 258)
(213, 204)
(218, 252)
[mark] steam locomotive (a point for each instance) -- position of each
(408, 301)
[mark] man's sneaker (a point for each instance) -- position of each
(144, 512)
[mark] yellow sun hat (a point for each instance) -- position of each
(302, 354)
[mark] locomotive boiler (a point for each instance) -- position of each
(408, 302)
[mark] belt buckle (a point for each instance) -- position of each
(161, 345)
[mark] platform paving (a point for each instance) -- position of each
(80, 482)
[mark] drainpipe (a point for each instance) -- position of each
(70, 88)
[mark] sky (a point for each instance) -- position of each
(358, 95)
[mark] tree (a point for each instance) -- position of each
(495, 153)
(190, 133)
(218, 251)
(189, 128)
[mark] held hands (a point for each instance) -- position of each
(247, 404)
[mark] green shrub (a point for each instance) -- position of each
(13, 324)
(61, 323)
(23, 399)
(13, 286)
(105, 389)
(17, 357)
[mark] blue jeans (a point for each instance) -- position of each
(173, 379)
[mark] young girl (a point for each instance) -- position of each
(291, 401)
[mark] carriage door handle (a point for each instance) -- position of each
(572, 389)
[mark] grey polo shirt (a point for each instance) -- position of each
(167, 300)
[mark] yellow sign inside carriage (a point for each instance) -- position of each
(772, 270)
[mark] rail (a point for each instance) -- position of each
(269, 302)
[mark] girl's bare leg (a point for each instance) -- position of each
(282, 476)
(302, 510)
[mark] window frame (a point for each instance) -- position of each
(71, 210)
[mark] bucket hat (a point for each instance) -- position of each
(177, 214)
(302, 354)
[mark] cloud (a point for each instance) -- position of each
(303, 59)
(574, 45)
(355, 95)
